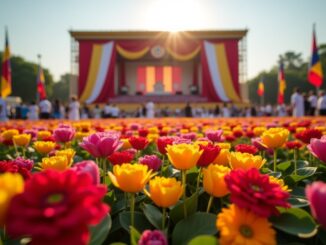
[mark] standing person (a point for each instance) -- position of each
(97, 112)
(56, 109)
(33, 111)
(150, 109)
(107, 110)
(45, 109)
(321, 104)
(313, 103)
(188, 110)
(217, 111)
(115, 111)
(306, 104)
(281, 110)
(85, 112)
(297, 103)
(3, 110)
(74, 109)
(268, 110)
(225, 111)
(18, 112)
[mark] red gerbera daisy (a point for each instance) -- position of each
(254, 191)
(308, 134)
(57, 208)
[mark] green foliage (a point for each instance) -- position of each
(204, 239)
(100, 231)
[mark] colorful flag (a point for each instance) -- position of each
(281, 84)
(315, 74)
(6, 70)
(40, 84)
(261, 89)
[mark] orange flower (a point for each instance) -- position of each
(245, 161)
(130, 177)
(183, 156)
(275, 137)
(44, 147)
(165, 192)
(213, 180)
(22, 139)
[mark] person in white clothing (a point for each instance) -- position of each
(281, 110)
(97, 112)
(297, 103)
(107, 110)
(150, 109)
(313, 103)
(115, 111)
(321, 104)
(74, 109)
(3, 110)
(33, 111)
(45, 109)
(225, 111)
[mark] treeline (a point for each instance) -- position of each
(24, 76)
(295, 69)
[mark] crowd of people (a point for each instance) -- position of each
(302, 104)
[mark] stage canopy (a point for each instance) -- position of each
(216, 53)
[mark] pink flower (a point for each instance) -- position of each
(190, 136)
(316, 194)
(155, 237)
(317, 147)
(214, 135)
(63, 134)
(88, 167)
(152, 161)
(101, 144)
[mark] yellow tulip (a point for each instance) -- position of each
(152, 137)
(259, 130)
(41, 135)
(130, 178)
(10, 185)
(56, 162)
(44, 147)
(183, 156)
(7, 135)
(223, 157)
(68, 153)
(165, 192)
(213, 180)
(245, 161)
(80, 135)
(275, 137)
(22, 139)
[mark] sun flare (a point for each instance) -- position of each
(174, 15)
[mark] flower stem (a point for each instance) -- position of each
(184, 183)
(295, 156)
(198, 180)
(132, 209)
(210, 201)
(275, 159)
(104, 165)
(163, 218)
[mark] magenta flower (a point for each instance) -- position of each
(63, 134)
(316, 194)
(88, 167)
(214, 135)
(317, 147)
(152, 237)
(24, 163)
(102, 144)
(152, 161)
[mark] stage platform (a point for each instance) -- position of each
(166, 99)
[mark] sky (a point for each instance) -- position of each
(275, 26)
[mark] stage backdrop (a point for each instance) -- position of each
(218, 58)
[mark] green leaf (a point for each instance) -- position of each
(153, 214)
(284, 166)
(303, 173)
(204, 239)
(194, 225)
(297, 202)
(177, 213)
(100, 231)
(135, 235)
(141, 222)
(295, 221)
(322, 236)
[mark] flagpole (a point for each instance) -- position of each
(39, 57)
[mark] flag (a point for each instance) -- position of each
(261, 89)
(40, 84)
(281, 84)
(6, 70)
(315, 73)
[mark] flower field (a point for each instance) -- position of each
(163, 181)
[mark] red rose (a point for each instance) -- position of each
(210, 152)
(163, 142)
(117, 158)
(244, 148)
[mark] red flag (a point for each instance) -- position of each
(6, 70)
(315, 74)
(281, 84)
(40, 84)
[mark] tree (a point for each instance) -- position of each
(24, 75)
(61, 88)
